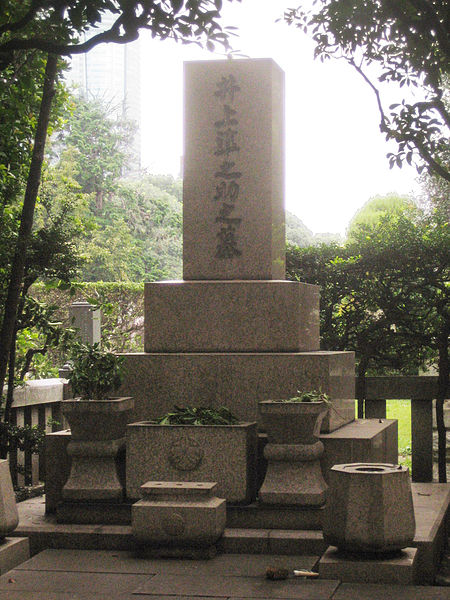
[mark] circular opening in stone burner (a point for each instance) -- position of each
(370, 469)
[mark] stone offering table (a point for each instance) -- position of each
(178, 519)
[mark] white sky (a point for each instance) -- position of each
(335, 153)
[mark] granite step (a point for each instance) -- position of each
(431, 507)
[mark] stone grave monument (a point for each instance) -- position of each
(234, 331)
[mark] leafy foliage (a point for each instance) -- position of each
(96, 373)
(402, 43)
(99, 144)
(375, 208)
(384, 293)
(128, 229)
(197, 416)
(182, 20)
(312, 396)
(122, 306)
(298, 234)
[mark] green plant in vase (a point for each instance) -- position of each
(312, 396)
(201, 415)
(97, 422)
(96, 373)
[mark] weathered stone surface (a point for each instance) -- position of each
(13, 552)
(39, 391)
(9, 517)
(233, 211)
(369, 508)
(97, 436)
(222, 453)
(176, 514)
(399, 569)
(231, 316)
(294, 475)
(238, 380)
(237, 588)
(363, 440)
(86, 321)
(57, 467)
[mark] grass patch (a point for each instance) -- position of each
(401, 410)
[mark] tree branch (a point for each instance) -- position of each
(383, 126)
(434, 165)
(69, 49)
(7, 27)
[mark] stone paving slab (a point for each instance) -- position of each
(112, 584)
(90, 561)
(357, 591)
(36, 595)
(237, 587)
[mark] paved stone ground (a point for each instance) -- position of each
(118, 575)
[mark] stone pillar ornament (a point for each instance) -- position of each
(293, 452)
(369, 508)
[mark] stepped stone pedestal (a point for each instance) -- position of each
(233, 332)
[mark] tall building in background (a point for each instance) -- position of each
(111, 73)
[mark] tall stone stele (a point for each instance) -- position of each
(234, 332)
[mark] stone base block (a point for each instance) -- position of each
(238, 381)
(223, 453)
(364, 440)
(260, 516)
(13, 552)
(231, 316)
(399, 568)
(90, 513)
(180, 516)
(57, 467)
(58, 464)
(93, 474)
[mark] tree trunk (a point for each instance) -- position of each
(26, 221)
(443, 376)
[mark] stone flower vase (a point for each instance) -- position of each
(98, 433)
(369, 508)
(293, 452)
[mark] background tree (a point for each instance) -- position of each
(385, 295)
(378, 207)
(101, 145)
(405, 43)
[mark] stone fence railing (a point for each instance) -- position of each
(421, 390)
(39, 404)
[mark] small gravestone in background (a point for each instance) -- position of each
(87, 321)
